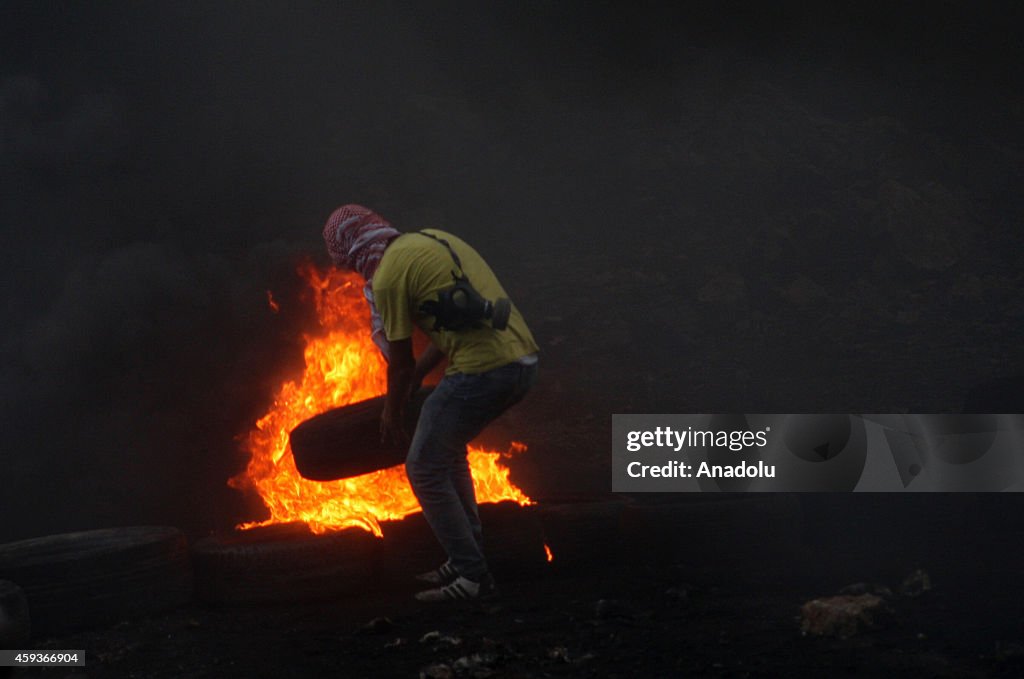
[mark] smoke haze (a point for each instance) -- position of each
(698, 209)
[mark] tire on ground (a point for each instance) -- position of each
(282, 563)
(78, 580)
(345, 442)
(15, 625)
(513, 543)
(513, 540)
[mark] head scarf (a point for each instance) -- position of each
(356, 238)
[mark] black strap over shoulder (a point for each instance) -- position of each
(445, 243)
(460, 306)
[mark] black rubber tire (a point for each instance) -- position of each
(718, 533)
(282, 563)
(15, 623)
(513, 543)
(513, 540)
(409, 547)
(92, 578)
(345, 442)
(583, 531)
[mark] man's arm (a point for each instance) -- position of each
(427, 361)
(401, 368)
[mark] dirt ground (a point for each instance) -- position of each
(643, 615)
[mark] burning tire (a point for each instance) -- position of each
(78, 580)
(282, 563)
(15, 627)
(583, 530)
(513, 543)
(345, 441)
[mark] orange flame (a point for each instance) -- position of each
(342, 366)
(272, 303)
(547, 552)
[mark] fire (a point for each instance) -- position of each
(272, 303)
(548, 554)
(342, 366)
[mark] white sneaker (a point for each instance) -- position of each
(439, 576)
(460, 589)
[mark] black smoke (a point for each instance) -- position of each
(700, 208)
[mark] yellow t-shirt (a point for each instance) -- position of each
(413, 269)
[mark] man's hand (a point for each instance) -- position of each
(401, 366)
(427, 361)
(392, 426)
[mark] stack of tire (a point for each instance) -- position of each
(513, 543)
(77, 580)
(15, 624)
(283, 563)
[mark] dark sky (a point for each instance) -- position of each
(162, 165)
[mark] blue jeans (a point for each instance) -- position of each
(452, 416)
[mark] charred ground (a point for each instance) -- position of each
(628, 614)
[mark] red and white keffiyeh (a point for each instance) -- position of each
(356, 238)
